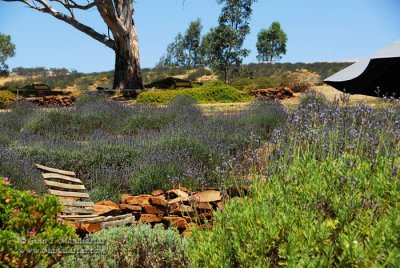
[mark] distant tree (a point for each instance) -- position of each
(175, 53)
(185, 50)
(271, 43)
(7, 50)
(59, 71)
(223, 45)
(192, 43)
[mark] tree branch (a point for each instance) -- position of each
(109, 13)
(46, 7)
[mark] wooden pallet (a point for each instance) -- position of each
(77, 206)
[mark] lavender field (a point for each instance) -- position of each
(115, 148)
(323, 178)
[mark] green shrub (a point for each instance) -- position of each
(29, 228)
(331, 213)
(312, 96)
(6, 98)
(141, 246)
(211, 92)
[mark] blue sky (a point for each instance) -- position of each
(318, 30)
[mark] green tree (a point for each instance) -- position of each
(223, 45)
(7, 50)
(175, 53)
(271, 43)
(185, 50)
(192, 43)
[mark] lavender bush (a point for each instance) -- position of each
(115, 148)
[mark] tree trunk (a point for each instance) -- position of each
(118, 15)
(226, 74)
(128, 74)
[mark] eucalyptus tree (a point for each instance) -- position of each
(185, 50)
(7, 50)
(271, 43)
(118, 16)
(223, 45)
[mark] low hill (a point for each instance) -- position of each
(250, 76)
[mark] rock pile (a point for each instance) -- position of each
(59, 100)
(176, 208)
(273, 93)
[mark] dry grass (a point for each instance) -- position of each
(232, 107)
(4, 80)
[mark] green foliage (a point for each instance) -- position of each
(223, 45)
(7, 50)
(185, 50)
(30, 233)
(6, 98)
(141, 246)
(328, 196)
(271, 43)
(329, 213)
(211, 92)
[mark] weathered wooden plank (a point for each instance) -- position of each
(106, 218)
(61, 177)
(80, 216)
(54, 170)
(119, 217)
(70, 194)
(119, 222)
(70, 203)
(91, 220)
(64, 185)
(78, 210)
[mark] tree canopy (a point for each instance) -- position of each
(271, 43)
(7, 50)
(223, 45)
(185, 50)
